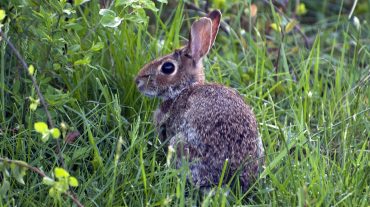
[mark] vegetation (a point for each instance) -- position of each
(304, 67)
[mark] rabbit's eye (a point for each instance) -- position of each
(168, 68)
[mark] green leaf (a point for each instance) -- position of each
(31, 70)
(301, 9)
(33, 106)
(124, 2)
(104, 12)
(138, 4)
(48, 181)
(69, 11)
(18, 173)
(163, 1)
(80, 2)
(2, 14)
(290, 26)
(55, 132)
(62, 185)
(53, 193)
(74, 48)
(73, 181)
(60, 172)
(148, 5)
(84, 61)
(34, 103)
(275, 27)
(138, 18)
(6, 173)
(98, 46)
(41, 127)
(110, 21)
(45, 137)
(4, 188)
(109, 18)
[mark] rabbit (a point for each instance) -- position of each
(206, 123)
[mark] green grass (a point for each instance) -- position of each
(313, 118)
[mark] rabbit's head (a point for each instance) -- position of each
(167, 76)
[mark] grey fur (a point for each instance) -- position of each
(207, 124)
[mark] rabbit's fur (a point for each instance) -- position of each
(205, 123)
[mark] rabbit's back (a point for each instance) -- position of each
(211, 123)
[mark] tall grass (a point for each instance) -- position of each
(313, 113)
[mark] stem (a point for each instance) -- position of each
(45, 106)
(2, 81)
(74, 198)
(296, 27)
(276, 64)
(23, 164)
(206, 6)
(352, 9)
(38, 91)
(223, 25)
(42, 174)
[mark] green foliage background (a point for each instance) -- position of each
(313, 111)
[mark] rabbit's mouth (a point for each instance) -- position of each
(150, 94)
(144, 90)
(142, 86)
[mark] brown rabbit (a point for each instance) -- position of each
(207, 124)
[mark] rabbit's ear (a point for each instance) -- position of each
(200, 38)
(215, 17)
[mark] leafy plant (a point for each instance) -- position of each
(42, 128)
(307, 82)
(62, 184)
